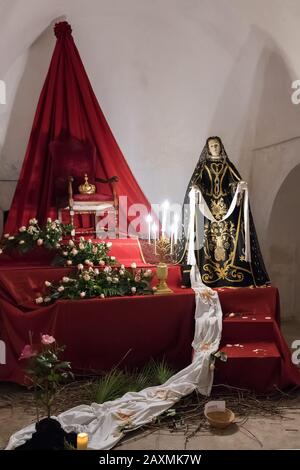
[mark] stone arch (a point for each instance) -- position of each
(283, 237)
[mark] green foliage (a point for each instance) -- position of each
(84, 252)
(161, 371)
(116, 383)
(111, 386)
(27, 238)
(46, 371)
(93, 282)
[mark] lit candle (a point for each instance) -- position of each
(149, 220)
(154, 230)
(82, 441)
(176, 220)
(173, 229)
(164, 218)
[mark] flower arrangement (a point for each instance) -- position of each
(85, 252)
(28, 237)
(45, 370)
(93, 282)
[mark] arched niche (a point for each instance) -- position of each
(283, 240)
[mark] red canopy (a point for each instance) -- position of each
(67, 106)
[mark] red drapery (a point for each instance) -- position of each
(99, 333)
(67, 106)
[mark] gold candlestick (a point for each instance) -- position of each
(163, 250)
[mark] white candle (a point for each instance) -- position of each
(149, 220)
(164, 218)
(82, 441)
(154, 230)
(173, 229)
(176, 220)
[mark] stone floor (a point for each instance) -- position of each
(256, 433)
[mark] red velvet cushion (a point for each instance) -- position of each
(92, 197)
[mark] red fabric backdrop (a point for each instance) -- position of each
(67, 106)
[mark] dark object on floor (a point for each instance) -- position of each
(49, 435)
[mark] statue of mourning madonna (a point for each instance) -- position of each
(221, 238)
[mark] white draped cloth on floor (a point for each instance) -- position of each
(107, 423)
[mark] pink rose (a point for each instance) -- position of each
(27, 352)
(46, 339)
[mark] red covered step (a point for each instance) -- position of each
(250, 365)
(247, 328)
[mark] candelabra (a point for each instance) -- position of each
(164, 243)
(163, 247)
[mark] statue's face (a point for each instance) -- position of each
(214, 147)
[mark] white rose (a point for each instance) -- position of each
(71, 243)
(82, 294)
(81, 239)
(101, 262)
(39, 300)
(96, 271)
(86, 277)
(112, 258)
(6, 235)
(65, 253)
(53, 225)
(39, 241)
(21, 242)
(102, 296)
(32, 222)
(69, 262)
(115, 280)
(57, 245)
(11, 238)
(133, 290)
(109, 244)
(81, 246)
(87, 261)
(89, 240)
(133, 265)
(61, 289)
(73, 232)
(66, 279)
(80, 266)
(109, 279)
(121, 272)
(1, 251)
(47, 299)
(154, 289)
(122, 266)
(49, 220)
(74, 252)
(47, 283)
(22, 229)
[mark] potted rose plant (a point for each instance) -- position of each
(45, 372)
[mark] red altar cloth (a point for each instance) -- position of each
(98, 333)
